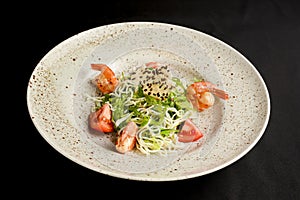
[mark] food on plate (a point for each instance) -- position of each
(126, 138)
(100, 120)
(106, 81)
(154, 80)
(201, 94)
(148, 109)
(189, 132)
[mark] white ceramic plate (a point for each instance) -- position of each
(58, 107)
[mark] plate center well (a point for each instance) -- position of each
(123, 54)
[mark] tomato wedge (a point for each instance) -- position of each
(189, 132)
(100, 120)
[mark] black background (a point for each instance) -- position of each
(266, 32)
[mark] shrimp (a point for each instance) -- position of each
(153, 65)
(201, 94)
(127, 138)
(106, 81)
(101, 120)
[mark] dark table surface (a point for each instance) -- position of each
(266, 32)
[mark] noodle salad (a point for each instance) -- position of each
(149, 110)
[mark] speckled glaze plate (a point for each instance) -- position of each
(58, 108)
